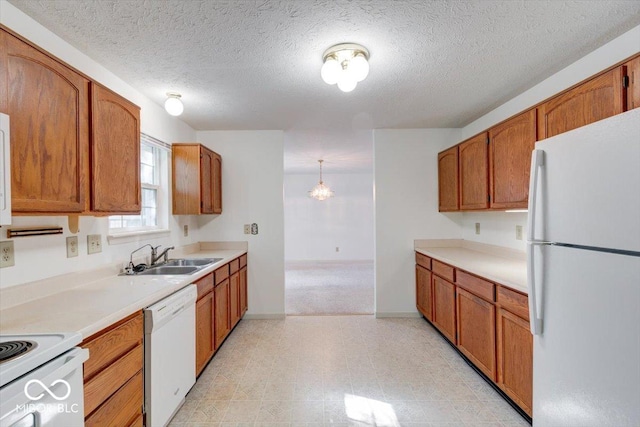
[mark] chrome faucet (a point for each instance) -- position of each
(130, 268)
(155, 256)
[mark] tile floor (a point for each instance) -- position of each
(341, 371)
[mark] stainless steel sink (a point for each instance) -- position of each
(198, 262)
(169, 269)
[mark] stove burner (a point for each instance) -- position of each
(13, 349)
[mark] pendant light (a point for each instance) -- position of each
(321, 191)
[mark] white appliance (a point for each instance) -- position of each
(170, 354)
(41, 381)
(584, 275)
(5, 171)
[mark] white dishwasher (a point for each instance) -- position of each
(169, 354)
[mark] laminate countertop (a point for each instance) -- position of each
(504, 267)
(93, 306)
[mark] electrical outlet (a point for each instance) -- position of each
(185, 230)
(254, 228)
(247, 229)
(518, 232)
(72, 246)
(477, 228)
(337, 248)
(6, 254)
(94, 243)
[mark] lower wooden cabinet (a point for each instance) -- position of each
(234, 298)
(515, 359)
(424, 296)
(476, 320)
(444, 307)
(244, 301)
(204, 331)
(221, 312)
(113, 380)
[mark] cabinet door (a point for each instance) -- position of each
(234, 298)
(423, 292)
(597, 99)
(206, 181)
(221, 310)
(477, 331)
(448, 180)
(510, 147)
(204, 331)
(474, 173)
(49, 108)
(444, 307)
(244, 305)
(633, 90)
(515, 359)
(216, 176)
(115, 153)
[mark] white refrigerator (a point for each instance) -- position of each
(584, 275)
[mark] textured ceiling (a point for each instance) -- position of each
(243, 64)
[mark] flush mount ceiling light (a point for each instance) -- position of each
(173, 105)
(345, 64)
(321, 191)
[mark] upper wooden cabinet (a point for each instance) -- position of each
(75, 145)
(197, 180)
(510, 147)
(115, 153)
(49, 108)
(448, 185)
(633, 82)
(596, 99)
(474, 176)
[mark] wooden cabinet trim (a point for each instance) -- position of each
(476, 285)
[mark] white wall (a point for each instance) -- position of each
(496, 228)
(252, 176)
(41, 257)
(406, 208)
(313, 229)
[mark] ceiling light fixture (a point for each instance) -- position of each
(345, 64)
(173, 105)
(321, 191)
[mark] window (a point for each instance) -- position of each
(154, 183)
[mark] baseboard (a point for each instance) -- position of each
(264, 316)
(409, 314)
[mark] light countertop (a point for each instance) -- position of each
(502, 266)
(89, 308)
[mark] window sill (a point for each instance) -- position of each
(134, 236)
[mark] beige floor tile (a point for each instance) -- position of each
(307, 412)
(242, 411)
(278, 411)
(279, 391)
(209, 410)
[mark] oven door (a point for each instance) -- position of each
(49, 396)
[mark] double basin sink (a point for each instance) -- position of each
(179, 266)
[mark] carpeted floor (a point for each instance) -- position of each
(324, 287)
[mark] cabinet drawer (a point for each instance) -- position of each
(108, 381)
(513, 301)
(205, 285)
(423, 261)
(122, 409)
(243, 261)
(221, 273)
(475, 285)
(234, 266)
(443, 270)
(109, 346)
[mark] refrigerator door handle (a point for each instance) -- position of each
(537, 161)
(535, 321)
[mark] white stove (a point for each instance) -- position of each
(41, 380)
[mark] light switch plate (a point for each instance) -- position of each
(518, 232)
(72, 246)
(94, 243)
(477, 228)
(7, 258)
(247, 229)
(185, 230)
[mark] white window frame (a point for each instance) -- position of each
(161, 171)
